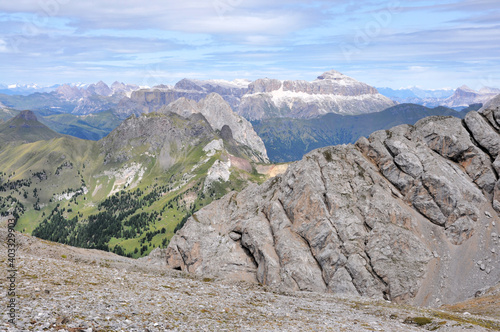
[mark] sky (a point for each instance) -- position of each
(429, 44)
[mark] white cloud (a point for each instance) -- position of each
(3, 46)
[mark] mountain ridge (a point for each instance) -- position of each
(458, 98)
(262, 98)
(219, 113)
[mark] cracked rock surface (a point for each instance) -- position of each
(404, 215)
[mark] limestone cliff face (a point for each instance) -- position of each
(410, 214)
(331, 92)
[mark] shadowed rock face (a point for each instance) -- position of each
(226, 133)
(407, 214)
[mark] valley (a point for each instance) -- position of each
(126, 193)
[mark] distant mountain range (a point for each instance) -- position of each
(71, 98)
(25, 89)
(332, 92)
(458, 99)
(291, 117)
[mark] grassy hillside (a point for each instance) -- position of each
(127, 193)
(289, 139)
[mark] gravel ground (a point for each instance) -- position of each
(61, 288)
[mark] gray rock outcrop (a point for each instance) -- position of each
(407, 214)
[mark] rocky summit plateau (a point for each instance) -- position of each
(409, 215)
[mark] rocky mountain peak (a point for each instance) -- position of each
(187, 84)
(465, 96)
(160, 132)
(264, 85)
(465, 88)
(25, 128)
(118, 87)
(486, 89)
(100, 88)
(183, 107)
(331, 92)
(69, 92)
(213, 99)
